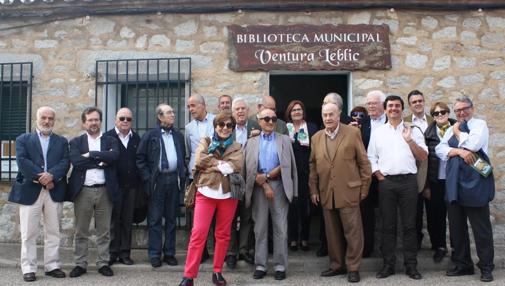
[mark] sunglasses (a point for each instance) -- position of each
(358, 114)
(124, 118)
(228, 125)
(268, 119)
(441, 112)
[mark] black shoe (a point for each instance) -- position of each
(231, 261)
(205, 255)
(439, 254)
(56, 273)
(259, 274)
(218, 279)
(186, 282)
(331, 272)
(486, 276)
(29, 277)
(353, 277)
(304, 245)
(247, 257)
(386, 271)
(456, 271)
(155, 262)
(77, 271)
(113, 258)
(106, 271)
(293, 246)
(170, 260)
(126, 261)
(322, 251)
(280, 275)
(413, 273)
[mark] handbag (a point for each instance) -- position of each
(190, 193)
(237, 186)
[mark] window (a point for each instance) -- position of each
(15, 112)
(141, 85)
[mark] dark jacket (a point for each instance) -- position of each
(127, 174)
(366, 130)
(30, 161)
(148, 158)
(109, 155)
(432, 140)
(463, 184)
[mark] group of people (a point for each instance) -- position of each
(256, 176)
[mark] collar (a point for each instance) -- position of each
(268, 137)
(121, 134)
(39, 133)
(97, 138)
(205, 119)
(243, 126)
(390, 126)
(380, 118)
(415, 118)
(333, 134)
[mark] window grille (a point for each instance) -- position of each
(15, 112)
(142, 84)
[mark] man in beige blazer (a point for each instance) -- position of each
(271, 183)
(340, 175)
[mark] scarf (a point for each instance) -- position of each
(443, 129)
(219, 144)
(302, 135)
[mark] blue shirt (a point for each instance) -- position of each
(168, 141)
(44, 143)
(268, 158)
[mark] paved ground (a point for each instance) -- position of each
(304, 269)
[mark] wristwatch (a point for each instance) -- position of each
(268, 177)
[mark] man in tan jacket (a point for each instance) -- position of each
(340, 176)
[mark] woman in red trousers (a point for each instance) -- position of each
(215, 160)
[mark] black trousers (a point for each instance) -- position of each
(367, 208)
(121, 223)
(436, 215)
(482, 233)
(398, 192)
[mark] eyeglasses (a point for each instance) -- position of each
(372, 103)
(124, 118)
(268, 119)
(441, 112)
(296, 110)
(228, 125)
(464, 109)
(358, 114)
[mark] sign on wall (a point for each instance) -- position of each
(309, 47)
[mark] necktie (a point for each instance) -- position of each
(164, 158)
(443, 129)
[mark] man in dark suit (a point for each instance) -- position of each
(267, 102)
(39, 189)
(376, 117)
(128, 179)
(93, 188)
(160, 161)
(241, 240)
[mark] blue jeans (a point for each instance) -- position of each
(163, 203)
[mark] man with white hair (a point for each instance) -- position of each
(376, 117)
(39, 189)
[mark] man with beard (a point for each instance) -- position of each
(39, 189)
(93, 188)
(393, 150)
(160, 161)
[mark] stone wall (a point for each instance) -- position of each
(443, 54)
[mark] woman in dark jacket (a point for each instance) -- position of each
(436, 210)
(300, 133)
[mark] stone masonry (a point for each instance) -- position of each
(442, 53)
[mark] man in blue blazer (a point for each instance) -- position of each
(39, 189)
(93, 188)
(160, 161)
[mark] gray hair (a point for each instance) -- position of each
(42, 108)
(465, 99)
(158, 110)
(334, 98)
(236, 101)
(198, 98)
(376, 93)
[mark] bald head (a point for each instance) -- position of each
(266, 102)
(331, 115)
(334, 97)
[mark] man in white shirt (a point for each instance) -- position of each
(93, 188)
(392, 151)
(376, 117)
(470, 199)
